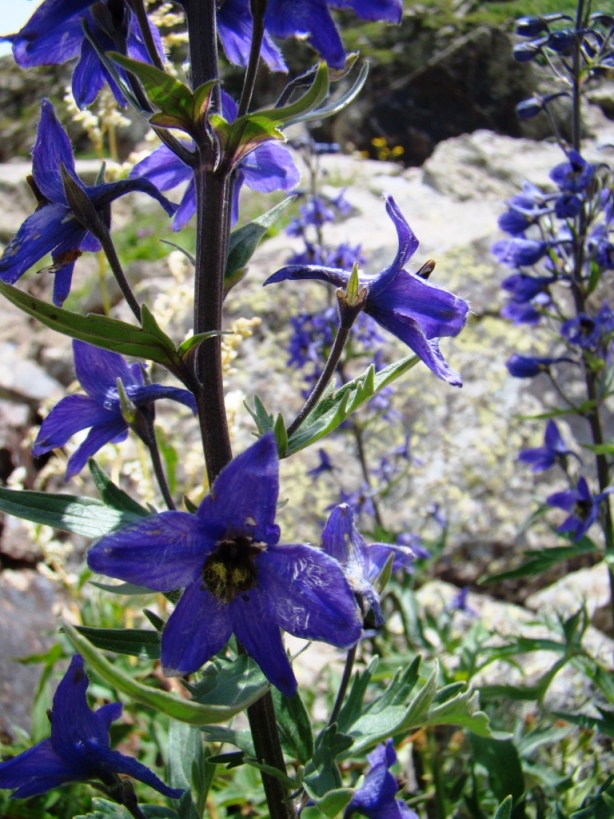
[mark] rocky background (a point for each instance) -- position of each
(447, 98)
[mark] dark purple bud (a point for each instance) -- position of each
(567, 206)
(527, 52)
(527, 109)
(600, 19)
(561, 41)
(530, 26)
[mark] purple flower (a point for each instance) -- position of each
(376, 798)
(53, 228)
(519, 252)
(460, 602)
(325, 465)
(78, 748)
(552, 452)
(582, 506)
(362, 563)
(267, 168)
(100, 410)
(574, 175)
(235, 575)
(523, 287)
(414, 542)
(589, 332)
(298, 18)
(411, 308)
(54, 34)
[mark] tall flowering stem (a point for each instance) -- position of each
(214, 194)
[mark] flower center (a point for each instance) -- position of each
(582, 509)
(231, 569)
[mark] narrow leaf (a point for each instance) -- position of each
(101, 331)
(244, 241)
(193, 713)
(81, 516)
(134, 642)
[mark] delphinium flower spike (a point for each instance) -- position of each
(235, 575)
(53, 227)
(98, 372)
(78, 748)
(413, 309)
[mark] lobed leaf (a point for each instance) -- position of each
(335, 407)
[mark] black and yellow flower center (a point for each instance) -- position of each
(230, 570)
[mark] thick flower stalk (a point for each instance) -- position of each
(237, 578)
(78, 748)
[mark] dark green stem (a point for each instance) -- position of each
(258, 8)
(343, 687)
(575, 88)
(154, 451)
(329, 370)
(214, 198)
(263, 726)
(138, 7)
(104, 237)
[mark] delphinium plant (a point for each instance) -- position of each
(562, 254)
(227, 584)
(561, 251)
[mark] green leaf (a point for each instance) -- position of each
(244, 241)
(185, 750)
(112, 495)
(334, 801)
(166, 93)
(294, 725)
(539, 562)
(334, 408)
(190, 343)
(148, 342)
(230, 683)
(317, 93)
(501, 761)
(262, 419)
(81, 516)
(603, 724)
(321, 772)
(504, 811)
(392, 713)
(338, 104)
(103, 809)
(600, 806)
(194, 713)
(135, 642)
(230, 736)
